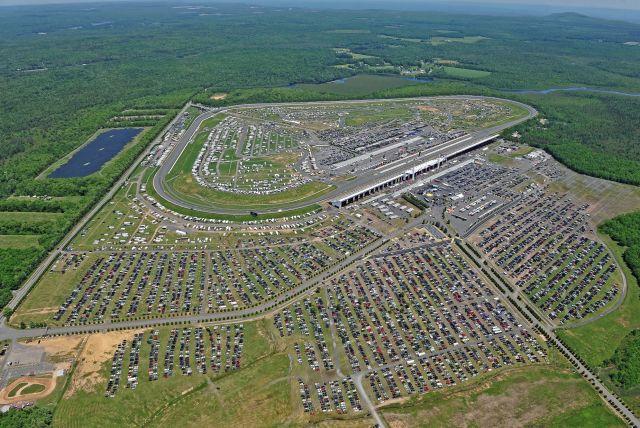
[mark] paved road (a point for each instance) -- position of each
(547, 328)
(357, 380)
(166, 193)
(44, 265)
(243, 314)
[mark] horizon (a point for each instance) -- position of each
(375, 4)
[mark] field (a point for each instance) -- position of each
(359, 85)
(174, 275)
(465, 73)
(44, 300)
(436, 41)
(539, 396)
(153, 403)
(187, 190)
(19, 241)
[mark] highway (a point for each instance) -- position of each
(349, 186)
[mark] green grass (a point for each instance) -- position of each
(49, 293)
(187, 189)
(465, 73)
(437, 41)
(32, 389)
(231, 217)
(361, 84)
(253, 393)
(29, 216)
(544, 395)
(15, 390)
(188, 157)
(596, 416)
(258, 395)
(19, 241)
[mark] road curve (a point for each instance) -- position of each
(159, 182)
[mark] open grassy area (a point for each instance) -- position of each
(361, 84)
(436, 41)
(465, 73)
(231, 217)
(17, 388)
(45, 298)
(258, 393)
(19, 241)
(32, 389)
(188, 157)
(29, 216)
(545, 395)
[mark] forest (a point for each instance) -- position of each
(69, 70)
(625, 230)
(34, 417)
(626, 361)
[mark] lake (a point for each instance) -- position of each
(96, 153)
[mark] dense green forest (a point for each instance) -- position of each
(69, 70)
(625, 230)
(34, 417)
(591, 133)
(626, 361)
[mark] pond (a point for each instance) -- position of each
(96, 153)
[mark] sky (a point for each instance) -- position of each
(455, 5)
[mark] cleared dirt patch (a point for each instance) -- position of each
(428, 108)
(98, 349)
(60, 347)
(219, 96)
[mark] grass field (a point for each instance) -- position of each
(32, 389)
(17, 388)
(361, 84)
(19, 241)
(231, 217)
(548, 395)
(436, 41)
(258, 393)
(187, 189)
(30, 216)
(48, 294)
(465, 73)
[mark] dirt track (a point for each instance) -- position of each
(49, 384)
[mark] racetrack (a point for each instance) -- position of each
(166, 193)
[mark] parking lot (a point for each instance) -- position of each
(411, 321)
